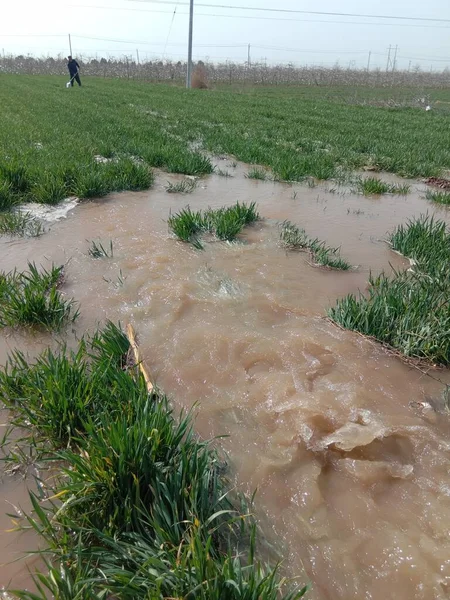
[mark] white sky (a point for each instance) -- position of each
(27, 26)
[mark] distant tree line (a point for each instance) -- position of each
(222, 73)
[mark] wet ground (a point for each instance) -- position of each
(351, 469)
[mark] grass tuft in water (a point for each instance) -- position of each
(325, 256)
(225, 223)
(426, 241)
(187, 225)
(56, 397)
(295, 238)
(228, 224)
(20, 224)
(248, 213)
(439, 197)
(408, 311)
(186, 186)
(97, 250)
(223, 173)
(446, 399)
(143, 508)
(371, 186)
(31, 298)
(257, 173)
(68, 579)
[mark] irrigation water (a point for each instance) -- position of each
(339, 437)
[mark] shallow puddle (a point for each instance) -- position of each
(351, 470)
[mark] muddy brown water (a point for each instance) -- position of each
(352, 472)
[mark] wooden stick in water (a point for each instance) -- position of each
(131, 334)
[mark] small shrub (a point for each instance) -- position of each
(199, 78)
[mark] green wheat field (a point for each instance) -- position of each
(51, 135)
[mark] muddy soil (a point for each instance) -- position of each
(350, 461)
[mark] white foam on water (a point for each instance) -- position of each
(48, 213)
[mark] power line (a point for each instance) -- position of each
(429, 58)
(170, 29)
(311, 51)
(303, 12)
(261, 47)
(260, 18)
(120, 41)
(32, 35)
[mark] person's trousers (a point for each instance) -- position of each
(75, 77)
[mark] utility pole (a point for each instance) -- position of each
(368, 61)
(248, 57)
(394, 64)
(191, 28)
(70, 45)
(388, 59)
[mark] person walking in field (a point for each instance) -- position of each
(74, 70)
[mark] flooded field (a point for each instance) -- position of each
(339, 438)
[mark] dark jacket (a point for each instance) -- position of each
(73, 66)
